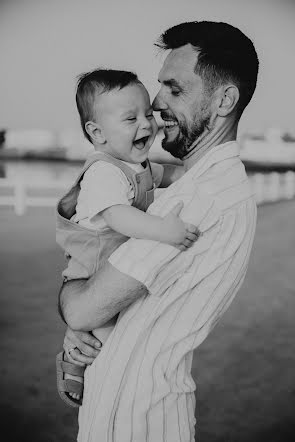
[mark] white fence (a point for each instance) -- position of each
(273, 186)
(267, 188)
(19, 194)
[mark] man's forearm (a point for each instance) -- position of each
(88, 304)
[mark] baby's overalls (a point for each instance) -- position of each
(87, 249)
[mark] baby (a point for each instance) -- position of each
(107, 203)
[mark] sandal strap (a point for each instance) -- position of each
(71, 386)
(73, 369)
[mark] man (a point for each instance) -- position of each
(140, 387)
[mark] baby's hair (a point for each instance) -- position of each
(97, 82)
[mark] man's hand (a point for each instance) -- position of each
(86, 347)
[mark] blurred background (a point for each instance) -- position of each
(244, 371)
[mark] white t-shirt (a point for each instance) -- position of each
(105, 185)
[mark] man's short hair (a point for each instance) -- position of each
(225, 54)
(90, 84)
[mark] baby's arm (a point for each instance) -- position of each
(134, 223)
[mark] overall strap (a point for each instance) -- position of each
(141, 182)
(66, 207)
(100, 156)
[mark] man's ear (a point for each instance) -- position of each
(228, 100)
(95, 132)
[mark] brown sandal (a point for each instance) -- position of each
(66, 386)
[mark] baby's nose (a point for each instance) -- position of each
(145, 124)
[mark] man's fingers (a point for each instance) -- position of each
(79, 358)
(81, 346)
(84, 348)
(89, 339)
(84, 359)
(87, 350)
(72, 360)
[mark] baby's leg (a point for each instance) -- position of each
(102, 334)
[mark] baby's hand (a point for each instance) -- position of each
(178, 233)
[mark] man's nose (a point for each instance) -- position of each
(158, 103)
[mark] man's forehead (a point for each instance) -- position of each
(179, 63)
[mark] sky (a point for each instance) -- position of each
(45, 45)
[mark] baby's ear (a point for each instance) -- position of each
(95, 132)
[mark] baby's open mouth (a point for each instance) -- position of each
(141, 142)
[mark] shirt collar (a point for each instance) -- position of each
(218, 153)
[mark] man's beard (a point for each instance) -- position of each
(181, 145)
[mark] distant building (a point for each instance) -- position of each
(30, 139)
(271, 149)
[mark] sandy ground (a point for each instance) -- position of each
(244, 371)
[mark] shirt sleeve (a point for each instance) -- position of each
(104, 185)
(157, 173)
(157, 265)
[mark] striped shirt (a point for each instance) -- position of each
(140, 388)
